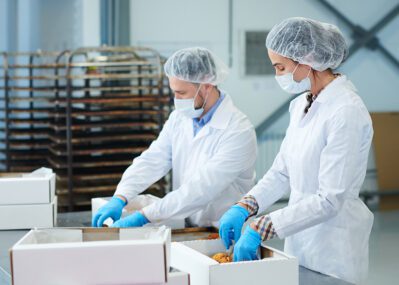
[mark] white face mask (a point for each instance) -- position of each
(288, 84)
(187, 106)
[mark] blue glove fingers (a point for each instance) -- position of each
(102, 219)
(113, 209)
(247, 246)
(118, 224)
(225, 233)
(134, 220)
(244, 255)
(237, 232)
(95, 219)
(241, 215)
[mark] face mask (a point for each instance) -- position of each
(288, 84)
(187, 106)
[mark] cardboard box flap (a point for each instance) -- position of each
(191, 253)
(210, 247)
(41, 172)
(67, 235)
(207, 248)
(86, 253)
(185, 259)
(148, 233)
(11, 175)
(49, 236)
(194, 257)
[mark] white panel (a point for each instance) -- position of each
(90, 23)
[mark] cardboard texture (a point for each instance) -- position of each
(28, 216)
(20, 188)
(94, 256)
(194, 258)
(136, 204)
(386, 149)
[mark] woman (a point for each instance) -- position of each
(322, 160)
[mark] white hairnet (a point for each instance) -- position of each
(196, 65)
(319, 45)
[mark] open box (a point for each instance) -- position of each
(37, 187)
(27, 216)
(136, 204)
(93, 256)
(194, 257)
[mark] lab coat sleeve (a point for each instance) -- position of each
(338, 160)
(273, 185)
(150, 166)
(237, 153)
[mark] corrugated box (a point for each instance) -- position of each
(194, 257)
(28, 216)
(386, 149)
(27, 188)
(92, 256)
(136, 204)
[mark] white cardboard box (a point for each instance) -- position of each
(28, 216)
(136, 204)
(92, 256)
(193, 257)
(178, 278)
(27, 188)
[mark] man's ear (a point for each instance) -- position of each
(207, 88)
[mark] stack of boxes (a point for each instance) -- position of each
(27, 200)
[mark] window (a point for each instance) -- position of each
(256, 59)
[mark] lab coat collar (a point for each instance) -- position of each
(331, 89)
(223, 113)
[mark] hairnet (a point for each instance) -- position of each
(319, 45)
(196, 65)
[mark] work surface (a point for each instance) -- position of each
(82, 219)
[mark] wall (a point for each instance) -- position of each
(173, 24)
(69, 24)
(28, 25)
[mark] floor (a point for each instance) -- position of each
(384, 249)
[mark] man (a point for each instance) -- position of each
(207, 142)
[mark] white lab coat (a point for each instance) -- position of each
(323, 161)
(211, 171)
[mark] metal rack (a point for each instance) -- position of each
(91, 111)
(26, 112)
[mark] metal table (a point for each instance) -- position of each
(82, 219)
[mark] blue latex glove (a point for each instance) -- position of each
(231, 224)
(113, 209)
(136, 219)
(247, 247)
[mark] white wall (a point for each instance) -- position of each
(173, 24)
(49, 24)
(3, 25)
(69, 24)
(28, 14)
(90, 23)
(17, 24)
